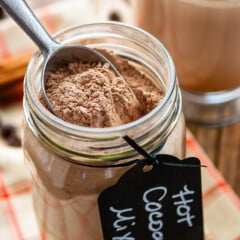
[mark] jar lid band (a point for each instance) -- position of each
(149, 159)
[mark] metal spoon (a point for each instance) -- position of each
(55, 54)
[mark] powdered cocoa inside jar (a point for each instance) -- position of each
(91, 95)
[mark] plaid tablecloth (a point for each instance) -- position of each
(17, 219)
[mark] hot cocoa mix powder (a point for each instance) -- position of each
(91, 95)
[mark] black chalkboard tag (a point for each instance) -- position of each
(163, 203)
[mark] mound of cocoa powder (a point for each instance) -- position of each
(91, 95)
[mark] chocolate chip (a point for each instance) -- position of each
(14, 140)
(114, 16)
(7, 131)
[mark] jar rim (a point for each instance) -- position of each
(73, 129)
(214, 4)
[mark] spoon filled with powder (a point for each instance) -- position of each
(91, 95)
(56, 55)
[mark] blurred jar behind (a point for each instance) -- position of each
(203, 37)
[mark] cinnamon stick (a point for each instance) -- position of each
(13, 69)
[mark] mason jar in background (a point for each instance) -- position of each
(65, 191)
(203, 37)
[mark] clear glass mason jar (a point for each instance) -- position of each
(65, 191)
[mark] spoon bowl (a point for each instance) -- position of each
(65, 54)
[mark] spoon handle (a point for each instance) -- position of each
(26, 19)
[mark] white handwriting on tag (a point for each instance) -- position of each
(123, 222)
(153, 207)
(183, 207)
(149, 205)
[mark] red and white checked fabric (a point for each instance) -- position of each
(17, 218)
